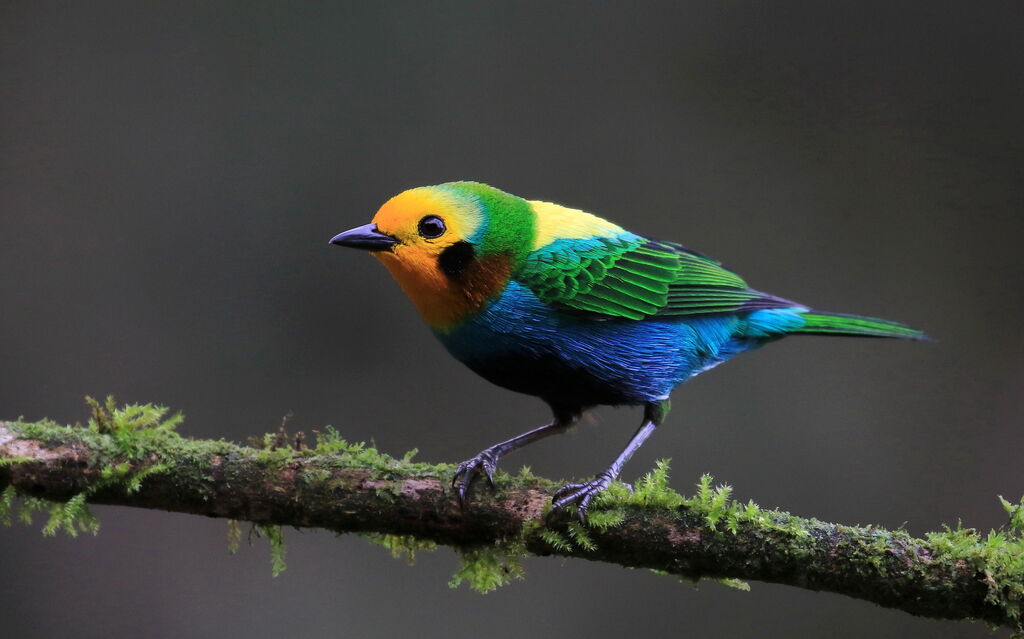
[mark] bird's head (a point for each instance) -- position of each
(451, 247)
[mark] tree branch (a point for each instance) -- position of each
(342, 487)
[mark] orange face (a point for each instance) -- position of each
(425, 222)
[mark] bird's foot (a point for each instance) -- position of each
(484, 462)
(580, 494)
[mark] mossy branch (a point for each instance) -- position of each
(131, 456)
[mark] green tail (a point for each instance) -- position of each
(819, 323)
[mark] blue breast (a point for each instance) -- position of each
(520, 343)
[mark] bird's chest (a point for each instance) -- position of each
(530, 358)
(522, 344)
(510, 331)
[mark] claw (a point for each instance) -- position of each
(486, 462)
(581, 494)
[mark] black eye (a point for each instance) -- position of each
(431, 226)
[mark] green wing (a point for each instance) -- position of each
(635, 278)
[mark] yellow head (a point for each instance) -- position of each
(440, 245)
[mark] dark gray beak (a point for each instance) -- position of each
(365, 237)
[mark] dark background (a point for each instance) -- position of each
(170, 174)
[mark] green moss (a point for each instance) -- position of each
(713, 503)
(556, 540)
(400, 545)
(275, 457)
(134, 428)
(275, 537)
(344, 454)
(999, 555)
(334, 450)
(315, 476)
(141, 432)
(133, 431)
(7, 505)
(734, 583)
(29, 506)
(1016, 513)
(653, 490)
(234, 536)
(488, 568)
(330, 442)
(579, 536)
(71, 517)
(43, 429)
(603, 520)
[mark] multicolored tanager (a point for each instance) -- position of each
(564, 305)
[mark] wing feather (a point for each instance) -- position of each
(632, 277)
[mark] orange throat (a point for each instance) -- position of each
(442, 301)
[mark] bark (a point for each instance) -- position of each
(307, 488)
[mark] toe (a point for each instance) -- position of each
(564, 490)
(583, 506)
(580, 494)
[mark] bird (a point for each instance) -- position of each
(569, 307)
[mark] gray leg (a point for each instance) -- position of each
(583, 493)
(487, 460)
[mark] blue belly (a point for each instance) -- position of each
(522, 344)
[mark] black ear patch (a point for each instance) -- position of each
(455, 259)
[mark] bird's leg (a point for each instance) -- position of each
(487, 459)
(583, 493)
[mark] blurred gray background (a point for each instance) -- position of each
(170, 174)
